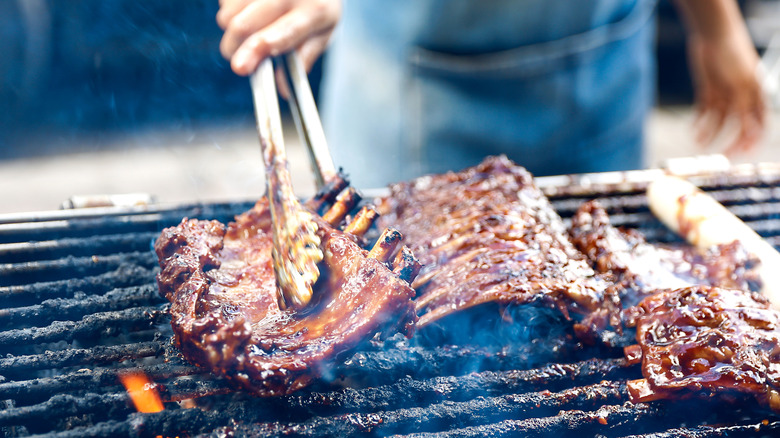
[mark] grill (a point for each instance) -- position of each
(80, 307)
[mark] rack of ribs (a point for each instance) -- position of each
(224, 309)
(488, 234)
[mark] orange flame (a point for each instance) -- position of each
(142, 392)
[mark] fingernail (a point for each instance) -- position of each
(241, 60)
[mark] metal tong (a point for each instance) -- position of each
(296, 250)
(307, 118)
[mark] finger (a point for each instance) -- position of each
(256, 16)
(711, 124)
(751, 112)
(311, 50)
(281, 36)
(248, 56)
(228, 9)
(760, 108)
(750, 131)
(281, 84)
(705, 106)
(297, 26)
(699, 122)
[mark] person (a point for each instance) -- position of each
(424, 86)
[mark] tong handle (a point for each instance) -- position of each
(269, 119)
(307, 119)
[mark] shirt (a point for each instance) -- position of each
(421, 86)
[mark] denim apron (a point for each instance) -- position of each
(412, 87)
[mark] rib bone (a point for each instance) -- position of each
(328, 192)
(406, 265)
(345, 202)
(362, 221)
(384, 247)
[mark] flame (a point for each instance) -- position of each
(142, 392)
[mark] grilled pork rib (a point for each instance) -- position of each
(488, 234)
(639, 268)
(698, 326)
(224, 310)
(706, 339)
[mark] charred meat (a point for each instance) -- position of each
(488, 234)
(706, 339)
(224, 309)
(639, 268)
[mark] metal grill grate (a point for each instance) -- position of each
(80, 306)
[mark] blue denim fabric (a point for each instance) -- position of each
(420, 86)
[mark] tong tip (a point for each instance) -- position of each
(298, 271)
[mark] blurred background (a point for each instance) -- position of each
(127, 96)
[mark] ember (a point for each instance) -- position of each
(142, 392)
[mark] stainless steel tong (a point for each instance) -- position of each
(307, 119)
(296, 249)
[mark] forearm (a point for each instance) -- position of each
(724, 65)
(712, 19)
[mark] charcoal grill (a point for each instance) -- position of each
(80, 307)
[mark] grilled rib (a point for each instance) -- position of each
(639, 268)
(224, 310)
(705, 339)
(693, 337)
(488, 234)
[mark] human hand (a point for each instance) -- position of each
(256, 29)
(727, 86)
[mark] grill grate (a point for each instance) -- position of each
(81, 307)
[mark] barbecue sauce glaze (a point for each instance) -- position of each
(706, 339)
(226, 317)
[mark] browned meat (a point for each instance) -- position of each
(488, 234)
(640, 268)
(224, 310)
(706, 339)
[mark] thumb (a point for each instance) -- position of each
(312, 48)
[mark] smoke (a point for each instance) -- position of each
(81, 67)
(533, 334)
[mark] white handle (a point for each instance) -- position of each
(705, 222)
